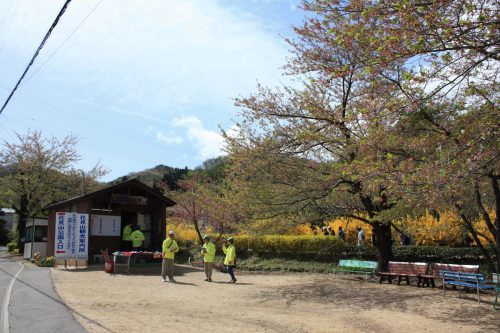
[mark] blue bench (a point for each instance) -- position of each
(356, 267)
(466, 280)
(496, 280)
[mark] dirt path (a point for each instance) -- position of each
(265, 303)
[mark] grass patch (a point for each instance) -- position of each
(255, 263)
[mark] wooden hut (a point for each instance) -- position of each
(110, 209)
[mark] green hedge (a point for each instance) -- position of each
(331, 249)
(421, 253)
(254, 263)
(304, 247)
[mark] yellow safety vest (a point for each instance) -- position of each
(210, 254)
(137, 237)
(169, 244)
(230, 254)
(126, 233)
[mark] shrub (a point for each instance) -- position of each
(42, 261)
(425, 230)
(288, 244)
(12, 246)
(349, 226)
(46, 262)
(255, 263)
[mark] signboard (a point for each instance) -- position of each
(105, 225)
(60, 243)
(83, 236)
(71, 235)
(126, 199)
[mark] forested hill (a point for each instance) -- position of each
(150, 176)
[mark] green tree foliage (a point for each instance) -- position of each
(214, 169)
(306, 150)
(37, 171)
(159, 174)
(201, 199)
(443, 147)
(396, 101)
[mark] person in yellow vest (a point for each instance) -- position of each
(126, 241)
(169, 248)
(137, 238)
(208, 251)
(230, 260)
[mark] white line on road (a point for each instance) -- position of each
(4, 319)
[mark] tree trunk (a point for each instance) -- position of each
(468, 224)
(21, 226)
(197, 228)
(382, 232)
(496, 190)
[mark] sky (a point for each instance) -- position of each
(140, 83)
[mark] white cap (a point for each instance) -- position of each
(171, 232)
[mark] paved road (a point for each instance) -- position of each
(8, 268)
(34, 305)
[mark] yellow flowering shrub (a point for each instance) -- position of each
(287, 243)
(184, 232)
(425, 230)
(348, 225)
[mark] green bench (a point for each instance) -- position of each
(357, 267)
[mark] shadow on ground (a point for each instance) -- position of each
(139, 270)
(407, 299)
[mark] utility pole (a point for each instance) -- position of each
(83, 182)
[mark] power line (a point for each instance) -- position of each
(7, 30)
(61, 12)
(101, 144)
(64, 42)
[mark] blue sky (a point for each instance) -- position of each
(141, 83)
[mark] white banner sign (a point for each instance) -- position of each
(71, 219)
(83, 236)
(60, 243)
(105, 225)
(71, 235)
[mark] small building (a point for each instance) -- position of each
(9, 216)
(36, 237)
(110, 209)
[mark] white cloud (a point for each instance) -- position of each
(169, 139)
(233, 131)
(207, 143)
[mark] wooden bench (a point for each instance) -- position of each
(436, 269)
(357, 267)
(466, 280)
(404, 270)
